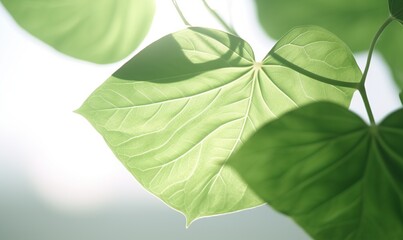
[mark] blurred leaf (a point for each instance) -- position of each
(396, 9)
(175, 112)
(355, 22)
(391, 48)
(98, 31)
(335, 176)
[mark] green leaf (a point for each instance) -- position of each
(396, 9)
(401, 97)
(175, 112)
(391, 47)
(335, 176)
(97, 31)
(355, 22)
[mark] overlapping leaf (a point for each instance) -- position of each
(323, 166)
(175, 112)
(355, 22)
(98, 31)
(396, 9)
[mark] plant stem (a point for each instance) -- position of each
(372, 48)
(364, 97)
(362, 89)
(180, 13)
(218, 17)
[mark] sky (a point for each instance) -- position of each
(56, 168)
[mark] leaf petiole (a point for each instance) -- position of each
(180, 13)
(372, 47)
(219, 18)
(361, 89)
(364, 97)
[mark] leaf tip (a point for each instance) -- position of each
(81, 111)
(189, 221)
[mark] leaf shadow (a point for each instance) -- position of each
(166, 61)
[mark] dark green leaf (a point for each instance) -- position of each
(355, 22)
(175, 112)
(334, 175)
(98, 31)
(396, 9)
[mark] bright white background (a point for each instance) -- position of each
(57, 172)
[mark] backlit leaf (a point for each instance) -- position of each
(175, 112)
(335, 176)
(99, 31)
(355, 22)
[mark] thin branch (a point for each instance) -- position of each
(364, 97)
(219, 19)
(372, 47)
(180, 13)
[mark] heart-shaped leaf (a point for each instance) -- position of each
(355, 22)
(396, 9)
(175, 112)
(334, 175)
(98, 31)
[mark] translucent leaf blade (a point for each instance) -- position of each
(317, 54)
(176, 112)
(350, 20)
(335, 176)
(97, 31)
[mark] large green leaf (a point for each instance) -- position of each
(396, 9)
(334, 175)
(175, 112)
(355, 22)
(102, 31)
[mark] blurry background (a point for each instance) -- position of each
(59, 180)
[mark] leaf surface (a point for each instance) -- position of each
(355, 22)
(335, 176)
(98, 31)
(175, 112)
(391, 46)
(396, 9)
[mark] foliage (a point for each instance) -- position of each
(97, 31)
(396, 9)
(353, 21)
(175, 112)
(209, 130)
(325, 167)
